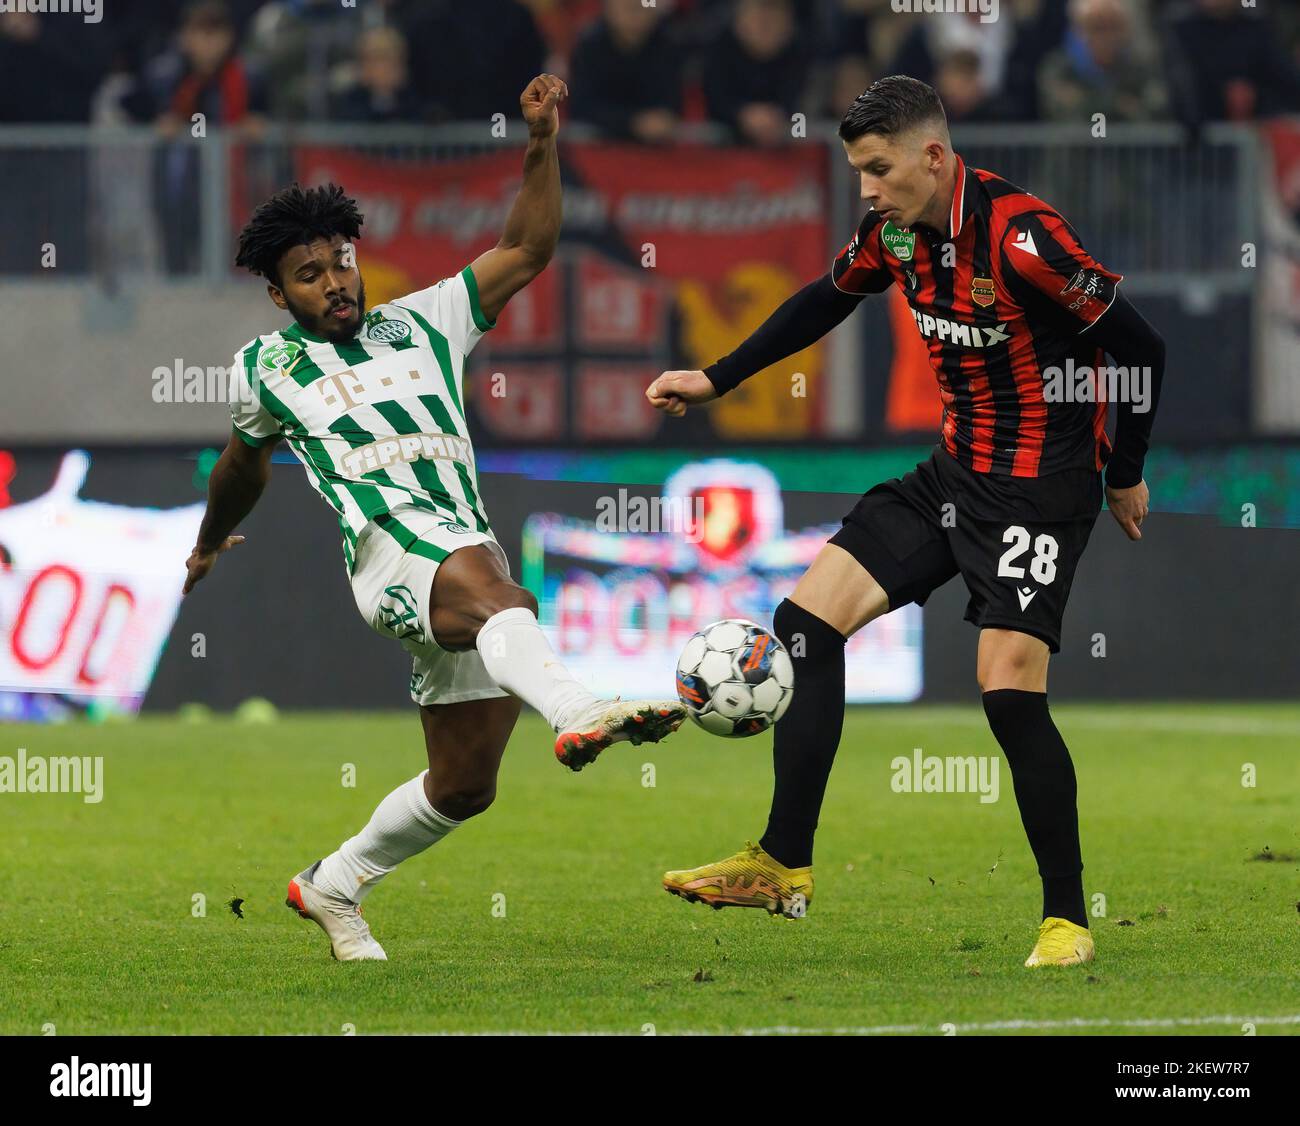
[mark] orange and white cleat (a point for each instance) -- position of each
(340, 919)
(612, 721)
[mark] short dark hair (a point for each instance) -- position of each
(292, 217)
(891, 105)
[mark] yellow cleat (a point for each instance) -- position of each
(751, 878)
(1061, 943)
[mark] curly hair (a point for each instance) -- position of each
(292, 217)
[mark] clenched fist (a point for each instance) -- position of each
(539, 103)
(673, 390)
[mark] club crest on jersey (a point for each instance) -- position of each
(278, 356)
(383, 331)
(981, 291)
(899, 243)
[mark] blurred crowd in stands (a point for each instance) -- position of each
(637, 71)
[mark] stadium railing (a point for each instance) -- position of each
(1173, 209)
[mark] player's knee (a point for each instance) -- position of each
(508, 596)
(457, 630)
(805, 636)
(1015, 665)
(461, 802)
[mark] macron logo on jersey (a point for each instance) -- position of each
(1025, 242)
(954, 332)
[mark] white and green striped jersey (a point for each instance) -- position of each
(379, 421)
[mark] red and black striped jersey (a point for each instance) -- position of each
(1000, 299)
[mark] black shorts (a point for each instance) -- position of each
(1016, 541)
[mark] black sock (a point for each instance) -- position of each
(1043, 776)
(806, 739)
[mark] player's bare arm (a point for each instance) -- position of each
(236, 483)
(533, 226)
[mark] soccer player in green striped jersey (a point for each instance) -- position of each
(371, 402)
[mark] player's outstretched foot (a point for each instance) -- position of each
(611, 721)
(751, 878)
(1061, 943)
(340, 918)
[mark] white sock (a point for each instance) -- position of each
(403, 824)
(520, 659)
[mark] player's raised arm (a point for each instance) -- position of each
(236, 482)
(801, 321)
(533, 225)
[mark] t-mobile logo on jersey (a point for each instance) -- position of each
(346, 390)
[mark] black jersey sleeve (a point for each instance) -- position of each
(860, 267)
(1042, 249)
(800, 321)
(1132, 343)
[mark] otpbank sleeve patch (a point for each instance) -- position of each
(253, 422)
(1041, 248)
(278, 354)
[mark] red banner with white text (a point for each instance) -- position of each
(670, 257)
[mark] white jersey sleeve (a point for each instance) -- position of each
(452, 307)
(253, 422)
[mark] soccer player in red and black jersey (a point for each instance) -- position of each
(1011, 308)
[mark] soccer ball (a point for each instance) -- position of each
(735, 678)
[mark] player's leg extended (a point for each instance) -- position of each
(476, 604)
(833, 600)
(1012, 672)
(464, 742)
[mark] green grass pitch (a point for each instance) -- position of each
(925, 907)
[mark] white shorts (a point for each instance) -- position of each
(392, 585)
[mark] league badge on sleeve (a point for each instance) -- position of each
(281, 356)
